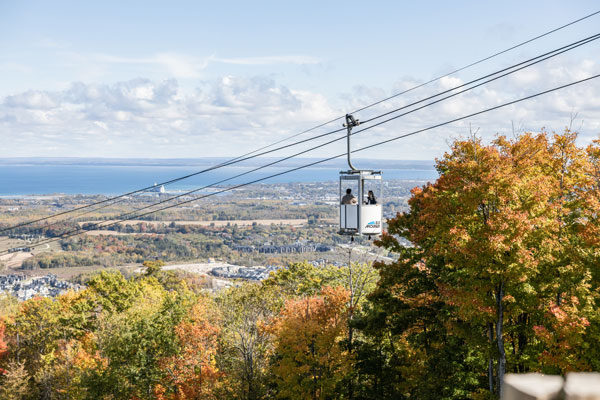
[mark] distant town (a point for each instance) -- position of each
(25, 288)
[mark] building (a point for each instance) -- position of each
(24, 288)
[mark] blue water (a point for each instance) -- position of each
(18, 180)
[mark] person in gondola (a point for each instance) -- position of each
(349, 198)
(371, 198)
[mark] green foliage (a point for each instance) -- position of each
(134, 340)
(300, 279)
(245, 344)
(110, 291)
(152, 267)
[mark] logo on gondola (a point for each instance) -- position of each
(374, 224)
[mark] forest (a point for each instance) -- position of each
(502, 277)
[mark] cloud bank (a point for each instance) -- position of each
(232, 115)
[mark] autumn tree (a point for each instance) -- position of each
(359, 280)
(15, 382)
(152, 267)
(409, 347)
(131, 343)
(109, 291)
(497, 232)
(33, 332)
(311, 358)
(299, 279)
(245, 345)
(191, 373)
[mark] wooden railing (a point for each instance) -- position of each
(576, 386)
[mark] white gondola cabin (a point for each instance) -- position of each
(360, 217)
(360, 210)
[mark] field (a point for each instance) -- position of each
(14, 260)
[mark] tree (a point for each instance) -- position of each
(311, 358)
(497, 233)
(300, 279)
(191, 373)
(132, 342)
(33, 332)
(409, 347)
(14, 382)
(62, 376)
(3, 345)
(110, 291)
(153, 267)
(245, 345)
(359, 280)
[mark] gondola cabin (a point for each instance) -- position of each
(360, 202)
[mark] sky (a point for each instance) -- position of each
(179, 79)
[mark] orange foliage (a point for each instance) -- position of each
(563, 336)
(521, 215)
(308, 340)
(3, 345)
(192, 374)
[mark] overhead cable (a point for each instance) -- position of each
(511, 69)
(112, 223)
(246, 156)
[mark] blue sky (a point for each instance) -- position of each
(190, 79)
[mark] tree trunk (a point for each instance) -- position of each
(522, 340)
(350, 317)
(350, 350)
(499, 328)
(490, 361)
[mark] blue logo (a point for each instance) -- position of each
(373, 225)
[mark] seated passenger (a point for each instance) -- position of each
(349, 198)
(371, 198)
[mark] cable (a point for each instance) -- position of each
(61, 237)
(227, 163)
(441, 76)
(523, 65)
(480, 61)
(470, 115)
(246, 156)
(552, 54)
(564, 49)
(224, 164)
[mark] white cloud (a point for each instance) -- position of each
(31, 99)
(147, 118)
(449, 82)
(552, 110)
(232, 115)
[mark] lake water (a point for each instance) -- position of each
(24, 179)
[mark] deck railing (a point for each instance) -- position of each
(576, 386)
